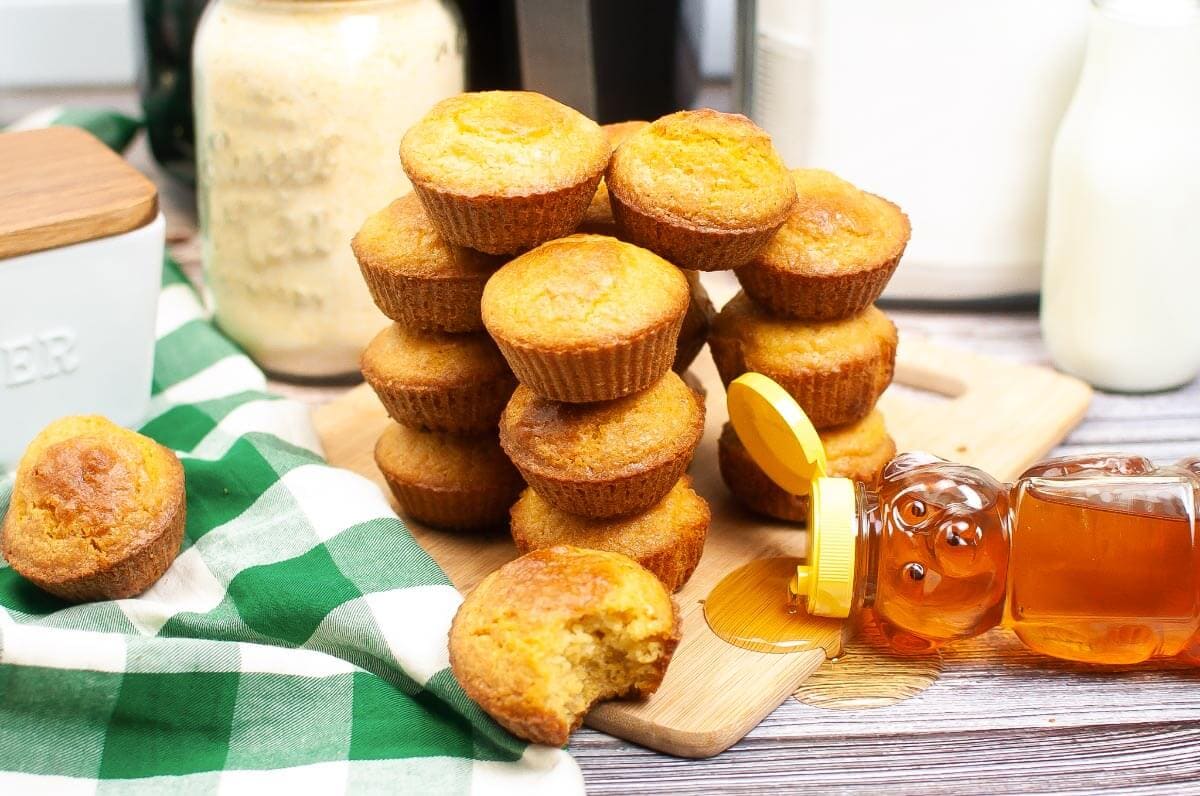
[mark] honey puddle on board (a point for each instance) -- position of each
(751, 608)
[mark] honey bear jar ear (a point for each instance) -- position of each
(907, 462)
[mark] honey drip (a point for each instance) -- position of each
(751, 608)
(869, 674)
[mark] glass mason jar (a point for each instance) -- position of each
(300, 106)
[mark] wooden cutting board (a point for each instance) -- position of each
(993, 414)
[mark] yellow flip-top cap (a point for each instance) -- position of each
(782, 441)
(776, 432)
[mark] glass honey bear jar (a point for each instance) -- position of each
(1087, 558)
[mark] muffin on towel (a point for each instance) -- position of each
(97, 511)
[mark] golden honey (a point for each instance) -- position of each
(1087, 558)
(752, 609)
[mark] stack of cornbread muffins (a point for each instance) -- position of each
(806, 318)
(436, 371)
(543, 281)
(600, 427)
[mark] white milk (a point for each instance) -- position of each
(1121, 281)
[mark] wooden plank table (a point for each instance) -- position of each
(1034, 726)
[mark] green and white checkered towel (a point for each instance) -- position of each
(299, 640)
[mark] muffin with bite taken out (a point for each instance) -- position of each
(545, 637)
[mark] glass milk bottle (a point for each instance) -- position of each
(1121, 282)
(300, 106)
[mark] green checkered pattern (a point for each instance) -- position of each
(299, 640)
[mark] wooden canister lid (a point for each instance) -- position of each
(61, 185)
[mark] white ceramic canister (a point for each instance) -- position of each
(81, 252)
(300, 107)
(1122, 269)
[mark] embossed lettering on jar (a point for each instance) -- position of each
(300, 107)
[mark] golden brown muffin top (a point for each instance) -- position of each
(540, 591)
(704, 168)
(598, 217)
(801, 344)
(432, 359)
(400, 238)
(503, 143)
(541, 523)
(607, 438)
(583, 290)
(443, 461)
(836, 228)
(858, 450)
(617, 132)
(88, 495)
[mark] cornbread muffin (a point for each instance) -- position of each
(696, 322)
(97, 511)
(604, 459)
(859, 451)
(502, 171)
(548, 635)
(667, 539)
(586, 318)
(833, 256)
(416, 277)
(451, 481)
(836, 370)
(441, 382)
(617, 132)
(706, 190)
(598, 219)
